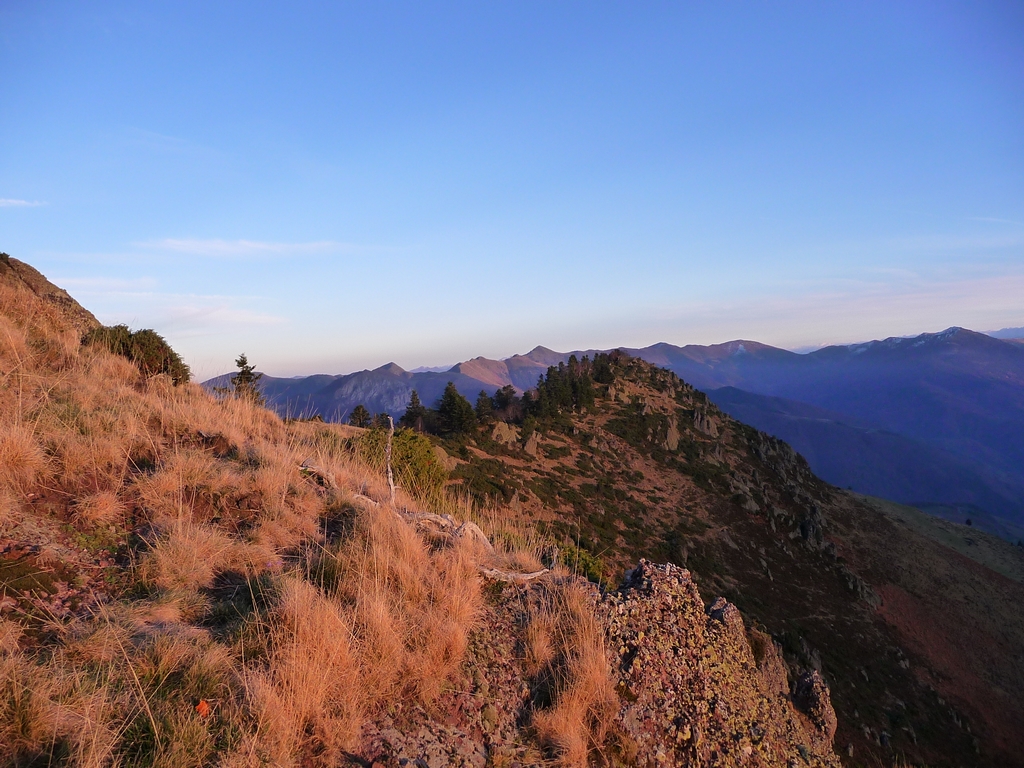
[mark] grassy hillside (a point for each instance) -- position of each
(192, 581)
(890, 612)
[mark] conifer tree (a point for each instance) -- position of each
(455, 413)
(244, 382)
(504, 397)
(414, 413)
(360, 417)
(484, 408)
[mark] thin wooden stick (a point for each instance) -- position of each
(387, 458)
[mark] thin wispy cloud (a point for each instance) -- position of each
(87, 285)
(957, 242)
(993, 220)
(236, 248)
(205, 318)
(7, 202)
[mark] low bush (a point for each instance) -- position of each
(146, 348)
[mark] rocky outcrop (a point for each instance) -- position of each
(705, 423)
(811, 695)
(693, 692)
(672, 435)
(505, 434)
(694, 688)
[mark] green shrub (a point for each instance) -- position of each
(583, 562)
(146, 348)
(413, 461)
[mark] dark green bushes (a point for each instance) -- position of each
(146, 348)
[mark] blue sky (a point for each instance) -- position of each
(330, 186)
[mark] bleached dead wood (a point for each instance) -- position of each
(387, 458)
(513, 578)
(317, 475)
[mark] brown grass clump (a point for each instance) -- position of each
(566, 642)
(309, 697)
(412, 608)
(21, 458)
(187, 558)
(99, 509)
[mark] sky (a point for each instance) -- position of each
(332, 186)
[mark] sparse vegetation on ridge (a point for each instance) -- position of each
(237, 588)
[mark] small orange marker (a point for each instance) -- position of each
(203, 708)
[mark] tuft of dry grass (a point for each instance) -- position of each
(21, 458)
(99, 509)
(309, 697)
(565, 643)
(187, 558)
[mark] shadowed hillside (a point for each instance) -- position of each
(888, 608)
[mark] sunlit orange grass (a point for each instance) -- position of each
(21, 458)
(99, 509)
(412, 608)
(310, 696)
(566, 642)
(187, 557)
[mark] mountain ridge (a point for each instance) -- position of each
(957, 393)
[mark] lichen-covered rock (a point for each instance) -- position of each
(694, 687)
(811, 695)
(505, 434)
(692, 691)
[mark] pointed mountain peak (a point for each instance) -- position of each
(544, 355)
(392, 368)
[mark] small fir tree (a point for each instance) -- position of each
(484, 408)
(505, 397)
(244, 382)
(360, 417)
(414, 413)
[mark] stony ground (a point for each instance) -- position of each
(694, 688)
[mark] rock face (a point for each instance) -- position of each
(811, 695)
(705, 423)
(18, 273)
(693, 692)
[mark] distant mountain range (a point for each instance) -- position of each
(936, 420)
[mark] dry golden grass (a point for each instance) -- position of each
(342, 624)
(565, 644)
(99, 509)
(309, 696)
(21, 458)
(186, 558)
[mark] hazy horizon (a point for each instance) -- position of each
(327, 188)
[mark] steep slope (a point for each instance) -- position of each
(878, 462)
(21, 277)
(191, 581)
(656, 470)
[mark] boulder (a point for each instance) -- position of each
(812, 697)
(505, 434)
